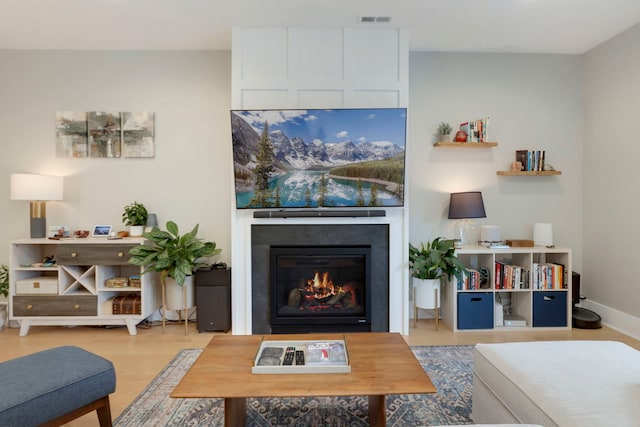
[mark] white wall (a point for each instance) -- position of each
(187, 181)
(534, 102)
(611, 204)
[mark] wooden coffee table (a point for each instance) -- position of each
(381, 364)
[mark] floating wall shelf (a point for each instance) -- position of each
(529, 173)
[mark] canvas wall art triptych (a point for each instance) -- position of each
(105, 134)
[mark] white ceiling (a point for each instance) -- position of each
(528, 26)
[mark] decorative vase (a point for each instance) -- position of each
(445, 138)
(136, 230)
(174, 296)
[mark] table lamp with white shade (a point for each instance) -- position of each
(37, 189)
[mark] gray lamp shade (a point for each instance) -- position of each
(466, 205)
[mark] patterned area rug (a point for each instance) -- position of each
(449, 368)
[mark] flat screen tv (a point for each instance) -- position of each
(319, 158)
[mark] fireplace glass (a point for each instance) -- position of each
(316, 289)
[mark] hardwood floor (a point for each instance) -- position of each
(138, 359)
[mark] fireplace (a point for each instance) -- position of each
(320, 288)
(356, 257)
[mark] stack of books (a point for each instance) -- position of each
(531, 160)
(476, 130)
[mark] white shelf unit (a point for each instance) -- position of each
(83, 267)
(539, 308)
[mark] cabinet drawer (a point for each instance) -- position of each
(77, 305)
(94, 254)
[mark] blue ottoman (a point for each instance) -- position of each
(54, 386)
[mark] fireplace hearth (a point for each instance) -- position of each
(320, 278)
(320, 288)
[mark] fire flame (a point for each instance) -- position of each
(322, 287)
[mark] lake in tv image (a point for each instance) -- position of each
(319, 158)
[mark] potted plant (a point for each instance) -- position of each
(4, 291)
(135, 216)
(175, 257)
(4, 280)
(445, 131)
(429, 265)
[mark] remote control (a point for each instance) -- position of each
(288, 356)
(299, 357)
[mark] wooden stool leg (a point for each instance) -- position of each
(104, 414)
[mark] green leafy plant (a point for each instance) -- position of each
(4, 280)
(171, 254)
(435, 260)
(444, 128)
(135, 214)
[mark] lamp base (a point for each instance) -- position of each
(466, 231)
(38, 228)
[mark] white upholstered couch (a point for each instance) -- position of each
(557, 383)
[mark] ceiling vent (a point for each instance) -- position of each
(372, 19)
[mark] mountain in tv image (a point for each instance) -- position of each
(319, 158)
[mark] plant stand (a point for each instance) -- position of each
(181, 313)
(422, 300)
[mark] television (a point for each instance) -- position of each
(324, 158)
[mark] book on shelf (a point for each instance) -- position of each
(476, 130)
(471, 281)
(548, 276)
(509, 276)
(531, 160)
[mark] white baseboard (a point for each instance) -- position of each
(615, 319)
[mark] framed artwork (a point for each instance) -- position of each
(137, 134)
(71, 134)
(104, 135)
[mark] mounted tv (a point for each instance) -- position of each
(319, 158)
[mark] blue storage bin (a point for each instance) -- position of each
(550, 308)
(475, 310)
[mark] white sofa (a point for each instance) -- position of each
(557, 383)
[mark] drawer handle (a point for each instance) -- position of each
(476, 299)
(76, 306)
(120, 254)
(74, 254)
(29, 306)
(548, 298)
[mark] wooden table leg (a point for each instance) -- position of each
(377, 411)
(235, 411)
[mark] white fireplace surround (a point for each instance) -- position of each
(321, 68)
(242, 272)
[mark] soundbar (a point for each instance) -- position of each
(320, 213)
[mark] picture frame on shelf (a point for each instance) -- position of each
(101, 231)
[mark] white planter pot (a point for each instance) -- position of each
(136, 230)
(175, 294)
(3, 316)
(425, 293)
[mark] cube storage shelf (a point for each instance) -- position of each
(82, 268)
(475, 309)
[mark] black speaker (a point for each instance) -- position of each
(213, 299)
